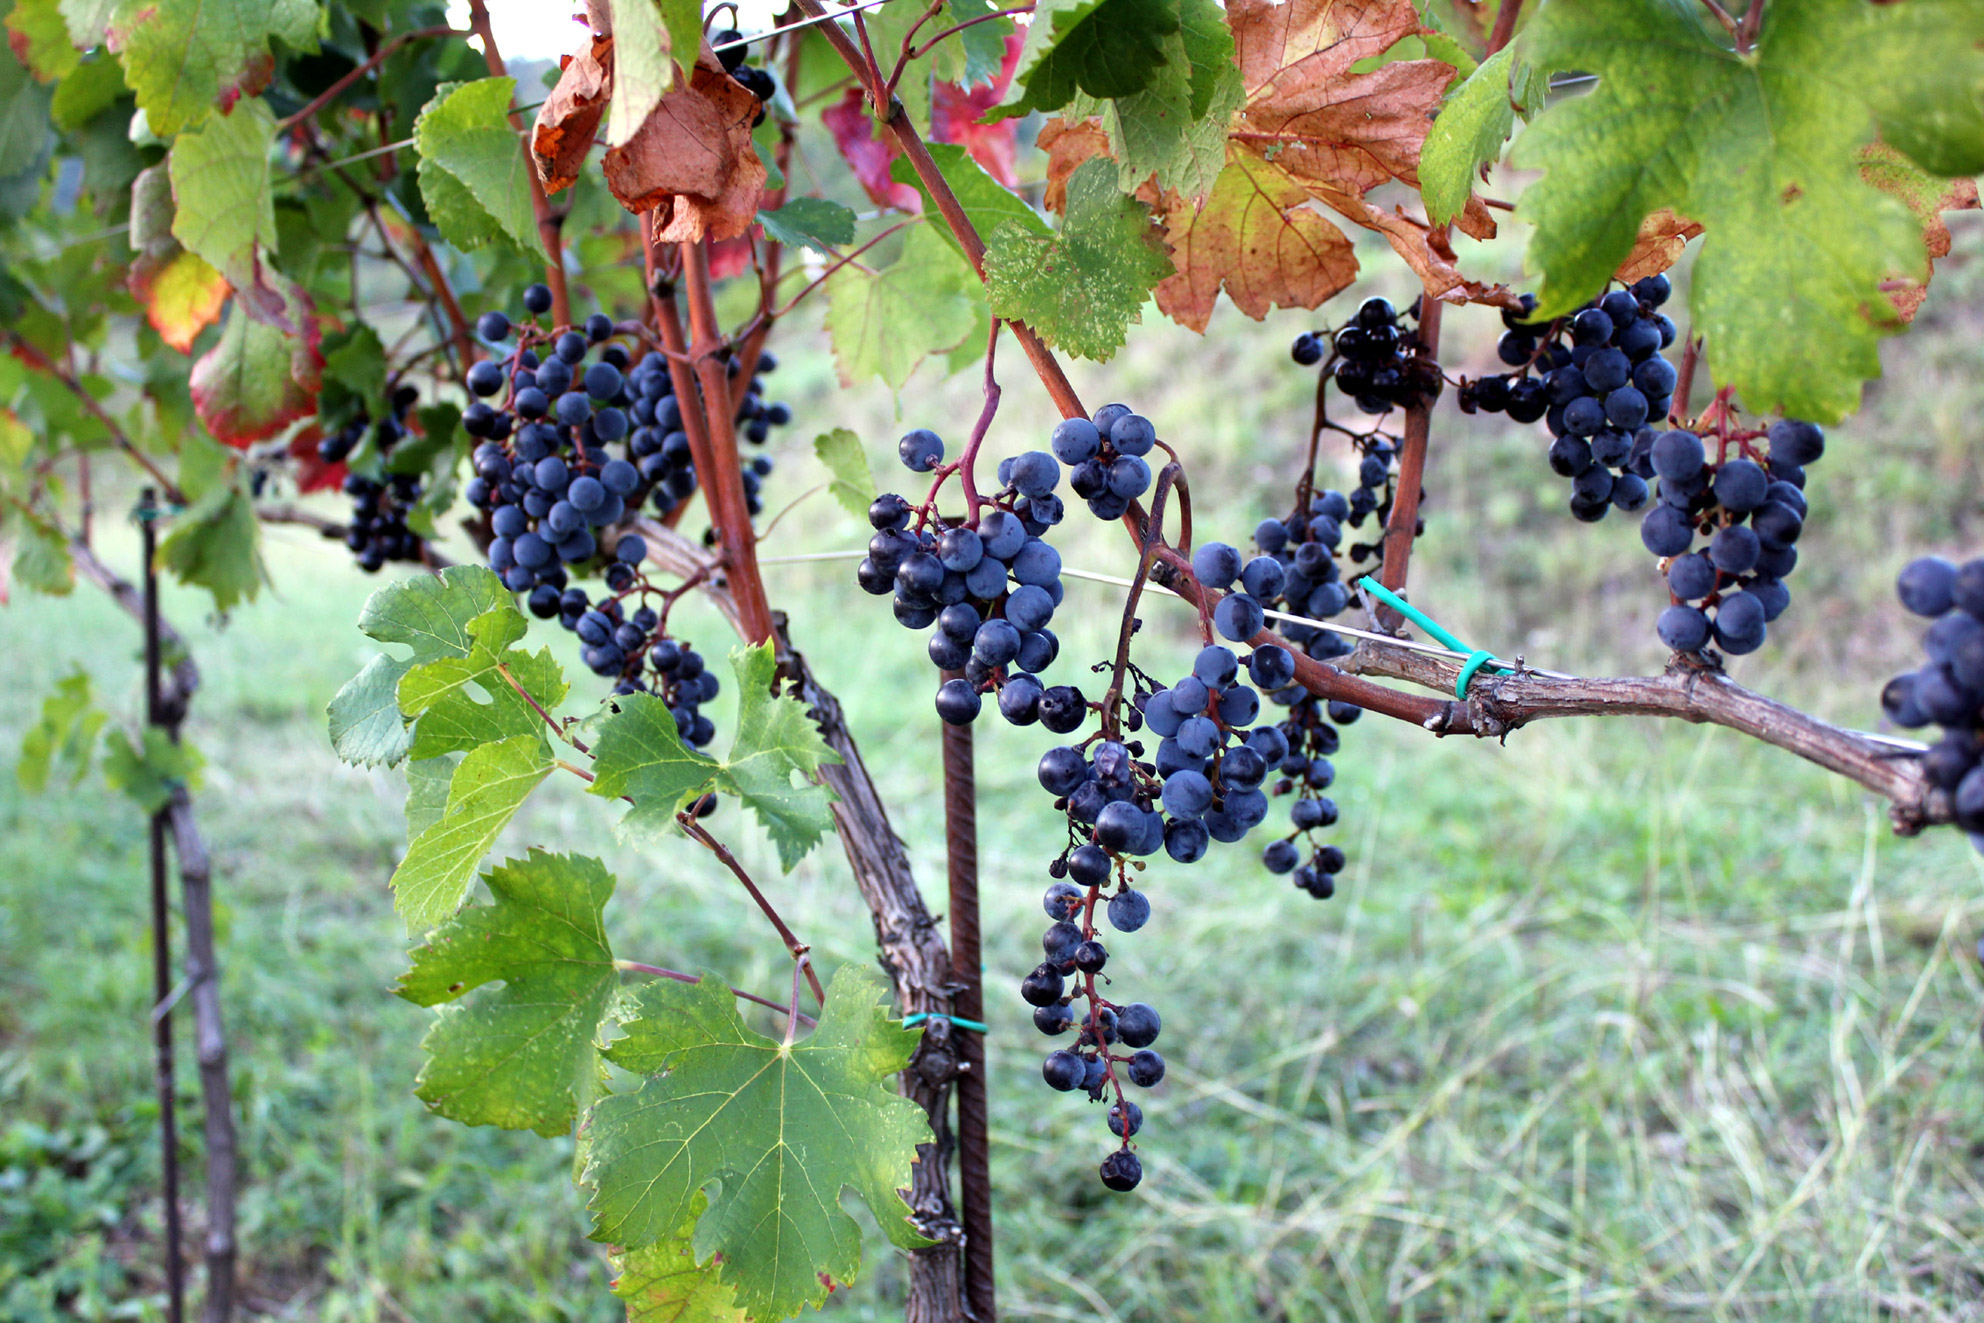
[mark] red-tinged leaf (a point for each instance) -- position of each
(869, 156)
(312, 473)
(182, 296)
(955, 113)
(693, 159)
(729, 257)
(570, 116)
(1663, 236)
(256, 380)
(1255, 236)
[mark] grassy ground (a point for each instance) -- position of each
(1622, 1020)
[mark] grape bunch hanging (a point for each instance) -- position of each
(1947, 690)
(1604, 396)
(377, 531)
(989, 583)
(575, 437)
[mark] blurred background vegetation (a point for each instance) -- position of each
(1623, 1019)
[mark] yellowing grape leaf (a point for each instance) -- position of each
(782, 1128)
(1789, 286)
(887, 319)
(224, 210)
(522, 1056)
(182, 298)
(663, 1283)
(186, 58)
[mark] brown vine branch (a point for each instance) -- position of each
(1497, 705)
(1505, 25)
(168, 696)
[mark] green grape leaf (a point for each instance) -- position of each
(40, 559)
(84, 93)
(488, 787)
(256, 380)
(776, 741)
(1472, 126)
(217, 545)
(186, 58)
(366, 727)
(782, 1128)
(663, 1283)
(1083, 287)
(464, 134)
(64, 736)
(150, 770)
(853, 481)
(40, 39)
(25, 130)
(638, 752)
(816, 223)
(431, 615)
(521, 1057)
(427, 781)
(448, 718)
(983, 43)
(884, 322)
(987, 203)
(1764, 155)
(1176, 128)
(1106, 48)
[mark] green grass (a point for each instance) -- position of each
(1621, 1020)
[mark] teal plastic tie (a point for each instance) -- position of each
(1476, 657)
(911, 1021)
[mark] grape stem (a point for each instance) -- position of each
(557, 727)
(1505, 25)
(372, 62)
(1112, 701)
(656, 971)
(694, 831)
(1403, 525)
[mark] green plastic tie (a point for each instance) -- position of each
(911, 1021)
(1476, 657)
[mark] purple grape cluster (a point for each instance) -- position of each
(377, 531)
(1947, 690)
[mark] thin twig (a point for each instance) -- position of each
(656, 971)
(377, 58)
(695, 832)
(42, 363)
(1505, 25)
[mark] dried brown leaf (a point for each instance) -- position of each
(1928, 197)
(1663, 235)
(693, 159)
(1255, 236)
(570, 116)
(1326, 127)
